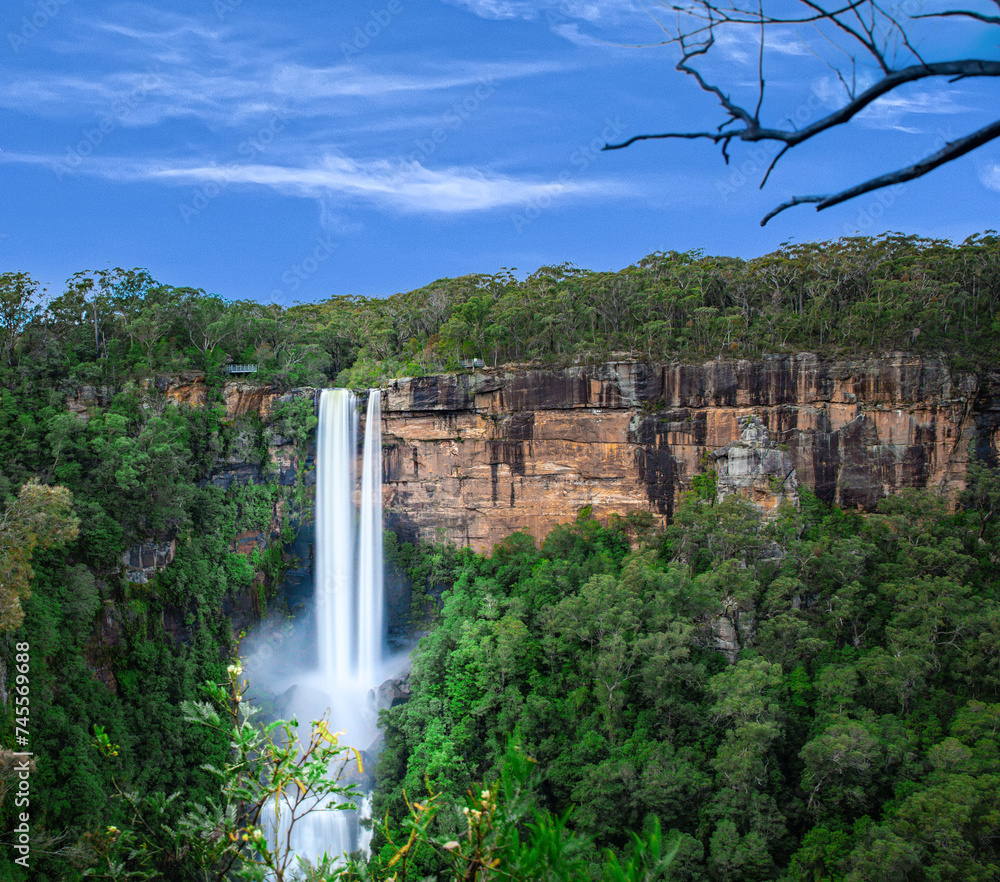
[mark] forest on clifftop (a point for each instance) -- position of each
(851, 297)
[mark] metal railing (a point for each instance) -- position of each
(241, 368)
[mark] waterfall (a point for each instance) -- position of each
(349, 603)
(370, 575)
(349, 597)
(336, 446)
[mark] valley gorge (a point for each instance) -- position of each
(661, 543)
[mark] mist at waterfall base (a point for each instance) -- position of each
(329, 660)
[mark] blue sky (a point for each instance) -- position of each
(290, 152)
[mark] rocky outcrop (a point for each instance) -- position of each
(731, 630)
(754, 467)
(390, 693)
(86, 399)
(187, 387)
(474, 457)
(142, 562)
(244, 398)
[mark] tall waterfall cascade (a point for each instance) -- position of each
(371, 618)
(349, 596)
(335, 587)
(349, 573)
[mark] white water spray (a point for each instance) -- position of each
(349, 582)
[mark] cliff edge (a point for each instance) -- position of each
(473, 457)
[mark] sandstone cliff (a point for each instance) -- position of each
(474, 457)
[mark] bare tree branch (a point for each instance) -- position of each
(961, 68)
(952, 150)
(965, 13)
(861, 29)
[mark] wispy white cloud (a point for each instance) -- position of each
(571, 31)
(989, 176)
(891, 111)
(404, 186)
(554, 11)
(399, 185)
(224, 76)
(178, 30)
(740, 45)
(786, 43)
(19, 158)
(234, 96)
(899, 110)
(147, 35)
(500, 9)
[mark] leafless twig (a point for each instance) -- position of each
(866, 30)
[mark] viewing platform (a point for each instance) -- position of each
(240, 368)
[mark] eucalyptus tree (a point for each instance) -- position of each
(18, 304)
(40, 517)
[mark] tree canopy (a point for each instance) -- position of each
(840, 299)
(40, 518)
(850, 737)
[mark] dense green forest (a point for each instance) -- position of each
(849, 297)
(77, 494)
(852, 726)
(855, 737)
(133, 473)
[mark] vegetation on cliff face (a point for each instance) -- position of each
(40, 517)
(105, 649)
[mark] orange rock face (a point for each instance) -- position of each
(187, 388)
(242, 398)
(472, 458)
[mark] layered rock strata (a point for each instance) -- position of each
(473, 457)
